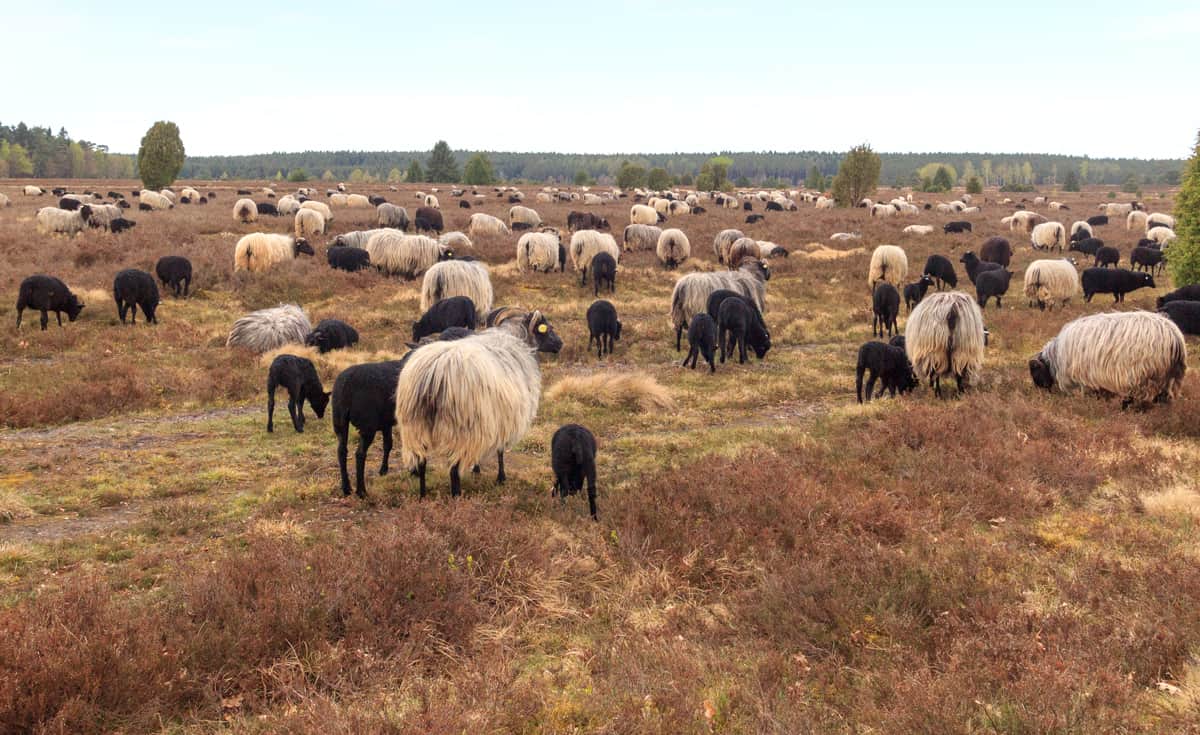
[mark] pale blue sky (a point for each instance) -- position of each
(1103, 78)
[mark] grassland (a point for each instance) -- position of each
(770, 556)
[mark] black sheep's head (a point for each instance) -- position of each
(1147, 280)
(74, 308)
(617, 332)
(302, 246)
(897, 341)
(1040, 371)
(762, 346)
(85, 211)
(319, 402)
(542, 334)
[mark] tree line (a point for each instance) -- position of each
(38, 152)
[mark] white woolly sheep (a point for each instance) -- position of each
(391, 215)
(104, 214)
(1136, 218)
(1050, 283)
(287, 204)
(258, 251)
(245, 210)
(888, 263)
(309, 222)
(918, 229)
(944, 336)
(338, 200)
(4, 200)
(357, 201)
(882, 210)
(189, 193)
(458, 278)
(154, 200)
(32, 191)
(407, 256)
(824, 202)
(743, 247)
(170, 195)
(321, 207)
(1116, 209)
(455, 241)
(723, 241)
(1158, 219)
(640, 214)
(585, 244)
(640, 237)
(520, 217)
(691, 292)
(845, 236)
(592, 199)
(1048, 235)
(673, 248)
(55, 221)
(1161, 235)
(485, 225)
(269, 329)
(678, 207)
(1138, 356)
(538, 251)
(1024, 220)
(355, 239)
(431, 201)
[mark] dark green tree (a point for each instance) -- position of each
(857, 176)
(479, 171)
(658, 179)
(160, 156)
(1183, 255)
(974, 185)
(414, 173)
(815, 179)
(631, 176)
(442, 166)
(582, 178)
(1071, 181)
(1130, 184)
(298, 175)
(943, 180)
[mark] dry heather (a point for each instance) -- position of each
(769, 556)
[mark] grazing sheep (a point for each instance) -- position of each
(339, 200)
(603, 326)
(991, 283)
(1048, 235)
(1161, 235)
(321, 207)
(360, 201)
(1097, 220)
(457, 278)
(245, 210)
(268, 209)
(455, 311)
(331, 334)
(55, 221)
(429, 219)
(1138, 356)
(132, 289)
(945, 336)
(604, 270)
(1187, 293)
(742, 248)
(46, 294)
(640, 214)
(259, 251)
(299, 377)
(641, 237)
(702, 340)
(4, 200)
(538, 251)
(485, 225)
(678, 208)
(357, 238)
(957, 226)
(918, 229)
(464, 204)
(845, 236)
(888, 263)
(1088, 245)
(1106, 256)
(941, 270)
(585, 221)
(530, 327)
(287, 204)
(103, 215)
(1117, 282)
(174, 271)
(585, 244)
(885, 308)
(1136, 218)
(1050, 283)
(1158, 219)
(32, 191)
(884, 362)
(407, 256)
(723, 242)
(308, 223)
(390, 215)
(269, 329)
(455, 241)
(882, 210)
(691, 292)
(70, 202)
(523, 218)
(1150, 259)
(364, 396)
(1185, 314)
(1080, 230)
(975, 266)
(432, 201)
(155, 200)
(1025, 220)
(754, 218)
(573, 460)
(348, 258)
(739, 324)
(825, 203)
(915, 291)
(769, 249)
(120, 224)
(674, 248)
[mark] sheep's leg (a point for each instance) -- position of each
(387, 450)
(500, 476)
(741, 345)
(270, 405)
(872, 376)
(591, 490)
(691, 355)
(712, 367)
(300, 413)
(958, 379)
(678, 334)
(721, 343)
(421, 477)
(46, 319)
(297, 422)
(121, 310)
(455, 482)
(583, 277)
(342, 452)
(475, 470)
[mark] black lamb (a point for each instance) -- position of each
(120, 224)
(1088, 245)
(956, 227)
(132, 289)
(740, 324)
(299, 377)
(1107, 256)
(46, 294)
(996, 250)
(573, 461)
(331, 334)
(941, 270)
(885, 362)
(364, 396)
(174, 271)
(604, 270)
(1187, 293)
(266, 208)
(992, 283)
(702, 340)
(885, 306)
(1148, 258)
(1116, 281)
(753, 218)
(456, 311)
(348, 259)
(1097, 220)
(603, 326)
(1185, 314)
(975, 266)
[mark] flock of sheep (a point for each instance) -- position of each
(471, 385)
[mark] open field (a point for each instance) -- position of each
(770, 556)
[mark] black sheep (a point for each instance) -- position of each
(941, 270)
(174, 271)
(746, 207)
(456, 311)
(899, 341)
(975, 266)
(753, 218)
(956, 227)
(464, 204)
(562, 257)
(300, 378)
(115, 195)
(713, 305)
(364, 396)
(702, 340)
(202, 200)
(1097, 220)
(143, 207)
(885, 305)
(133, 288)
(1146, 242)
(428, 219)
(995, 250)
(697, 210)
(46, 294)
(375, 200)
(1080, 234)
(348, 259)
(1106, 256)
(915, 291)
(122, 204)
(266, 208)
(604, 270)
(1185, 314)
(573, 460)
(774, 207)
(212, 196)
(69, 204)
(245, 192)
(331, 334)
(739, 324)
(1116, 281)
(1187, 293)
(1088, 245)
(992, 283)
(120, 224)
(1149, 258)
(603, 326)
(885, 362)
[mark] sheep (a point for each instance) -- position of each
(71, 202)
(267, 208)
(1050, 283)
(245, 210)
(103, 215)
(945, 336)
(4, 200)
(1185, 314)
(1106, 256)
(996, 250)
(523, 218)
(538, 251)
(885, 308)
(882, 210)
(1161, 235)
(308, 222)
(407, 256)
(174, 271)
(1088, 245)
(457, 278)
(845, 236)
(1048, 235)
(132, 289)
(1025, 220)
(287, 204)
(339, 200)
(743, 247)
(259, 251)
(529, 326)
(1187, 293)
(918, 229)
(461, 400)
(723, 242)
(915, 291)
(603, 326)
(884, 362)
(485, 225)
(975, 266)
(673, 248)
(321, 207)
(691, 292)
(299, 377)
(455, 311)
(358, 201)
(1097, 220)
(825, 203)
(1138, 356)
(573, 460)
(678, 207)
(1080, 230)
(364, 396)
(331, 334)
(120, 224)
(1136, 218)
(585, 221)
(739, 324)
(888, 263)
(769, 249)
(390, 215)
(641, 237)
(604, 270)
(1117, 282)
(640, 214)
(584, 246)
(991, 283)
(356, 238)
(155, 200)
(1146, 257)
(269, 329)
(1116, 209)
(428, 219)
(702, 340)
(941, 270)
(1158, 219)
(958, 226)
(46, 294)
(348, 259)
(32, 191)
(55, 221)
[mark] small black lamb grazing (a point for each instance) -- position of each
(464, 204)
(713, 305)
(885, 305)
(202, 200)
(1185, 314)
(899, 341)
(739, 324)
(696, 210)
(956, 227)
(753, 218)
(746, 207)
(174, 271)
(1097, 220)
(1080, 234)
(1107, 256)
(1146, 242)
(995, 250)
(886, 362)
(975, 266)
(69, 204)
(1149, 258)
(133, 288)
(941, 270)
(573, 460)
(1088, 245)
(604, 270)
(268, 208)
(774, 207)
(143, 207)
(992, 283)
(456, 311)
(603, 325)
(245, 192)
(915, 291)
(300, 378)
(562, 257)
(702, 340)
(46, 294)
(1187, 293)
(120, 224)
(348, 259)
(1116, 281)
(331, 334)
(364, 396)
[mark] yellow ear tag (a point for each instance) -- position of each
(542, 328)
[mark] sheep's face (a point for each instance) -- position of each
(74, 308)
(897, 341)
(544, 338)
(302, 246)
(319, 402)
(85, 211)
(1039, 370)
(1147, 280)
(617, 331)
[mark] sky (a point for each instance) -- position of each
(1096, 78)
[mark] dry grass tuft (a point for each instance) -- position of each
(1174, 500)
(614, 389)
